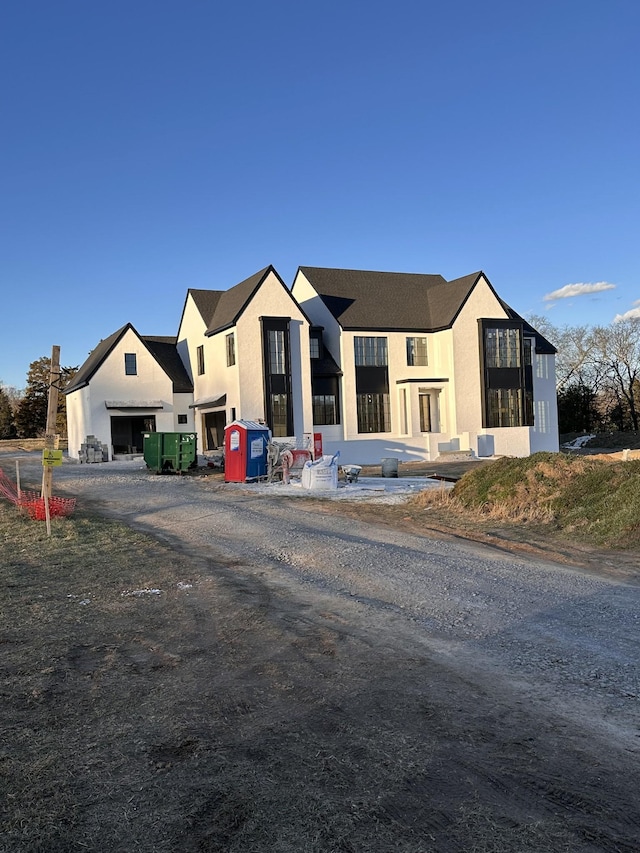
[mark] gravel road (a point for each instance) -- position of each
(570, 638)
(544, 651)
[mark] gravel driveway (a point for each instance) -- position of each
(545, 651)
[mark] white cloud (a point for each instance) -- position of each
(631, 314)
(580, 289)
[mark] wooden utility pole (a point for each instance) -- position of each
(51, 438)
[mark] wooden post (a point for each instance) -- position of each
(51, 437)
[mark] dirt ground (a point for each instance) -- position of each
(157, 696)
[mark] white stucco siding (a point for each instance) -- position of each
(544, 435)
(315, 309)
(467, 357)
(273, 300)
(190, 337)
(78, 426)
(110, 383)
(181, 406)
(219, 378)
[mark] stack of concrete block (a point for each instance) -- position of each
(92, 450)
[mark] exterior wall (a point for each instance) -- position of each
(88, 414)
(467, 357)
(243, 382)
(218, 378)
(304, 293)
(545, 430)
(454, 355)
(273, 300)
(78, 425)
(190, 336)
(405, 440)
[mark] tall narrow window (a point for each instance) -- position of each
(277, 375)
(372, 384)
(417, 352)
(231, 349)
(200, 356)
(424, 401)
(130, 364)
(314, 348)
(276, 351)
(507, 374)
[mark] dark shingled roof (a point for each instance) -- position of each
(162, 348)
(206, 302)
(166, 354)
(231, 303)
(391, 301)
(325, 366)
(386, 301)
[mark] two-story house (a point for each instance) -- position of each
(380, 364)
(424, 366)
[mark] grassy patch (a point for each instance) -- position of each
(594, 500)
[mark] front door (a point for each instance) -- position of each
(214, 424)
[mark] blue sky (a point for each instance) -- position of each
(152, 146)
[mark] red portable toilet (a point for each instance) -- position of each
(245, 451)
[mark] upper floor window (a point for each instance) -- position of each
(501, 347)
(528, 352)
(277, 360)
(231, 349)
(314, 347)
(200, 356)
(130, 364)
(417, 352)
(370, 352)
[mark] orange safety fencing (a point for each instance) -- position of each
(33, 503)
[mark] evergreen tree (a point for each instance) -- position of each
(7, 424)
(31, 415)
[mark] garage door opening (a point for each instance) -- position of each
(127, 432)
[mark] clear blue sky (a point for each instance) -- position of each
(149, 146)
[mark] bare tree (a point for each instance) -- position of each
(617, 355)
(575, 363)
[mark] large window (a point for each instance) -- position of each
(373, 413)
(370, 352)
(200, 356)
(279, 414)
(277, 359)
(506, 374)
(325, 410)
(278, 400)
(505, 406)
(130, 364)
(417, 352)
(502, 347)
(231, 349)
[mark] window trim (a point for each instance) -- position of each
(230, 349)
(417, 356)
(379, 415)
(130, 364)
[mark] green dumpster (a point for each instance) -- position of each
(167, 452)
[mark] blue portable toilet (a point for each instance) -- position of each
(245, 451)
